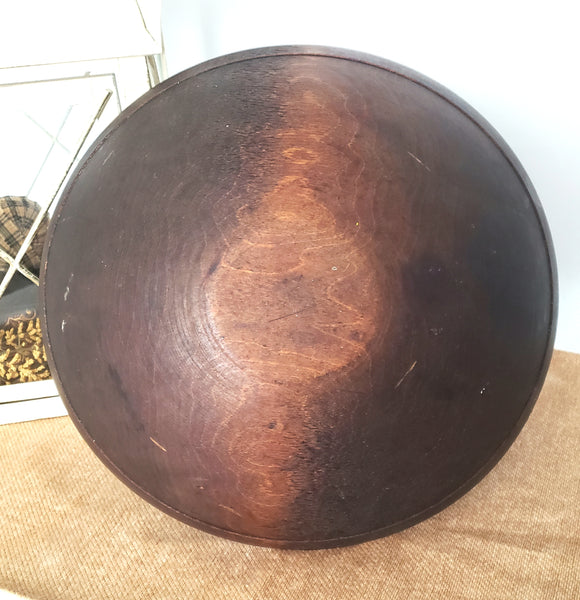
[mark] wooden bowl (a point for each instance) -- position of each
(299, 297)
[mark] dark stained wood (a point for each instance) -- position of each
(299, 297)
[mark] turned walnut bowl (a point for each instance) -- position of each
(299, 297)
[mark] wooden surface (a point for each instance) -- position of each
(299, 299)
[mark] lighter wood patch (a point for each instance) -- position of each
(294, 298)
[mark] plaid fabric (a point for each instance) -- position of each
(17, 214)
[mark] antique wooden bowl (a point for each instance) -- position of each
(299, 297)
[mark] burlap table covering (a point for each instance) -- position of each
(70, 530)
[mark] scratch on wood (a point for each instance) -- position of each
(297, 312)
(108, 156)
(406, 373)
(158, 444)
(230, 509)
(419, 161)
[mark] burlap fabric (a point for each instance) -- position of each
(70, 530)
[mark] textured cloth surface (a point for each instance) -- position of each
(70, 530)
(17, 214)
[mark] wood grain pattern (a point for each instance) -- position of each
(299, 297)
